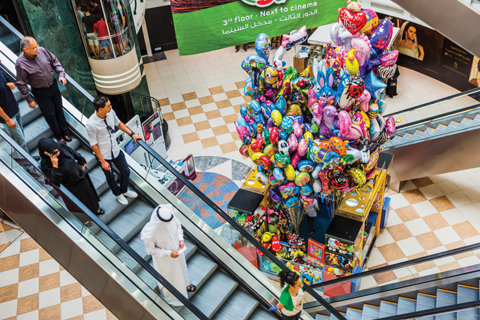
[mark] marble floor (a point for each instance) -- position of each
(34, 286)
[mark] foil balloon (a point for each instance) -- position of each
(306, 190)
(295, 159)
(281, 105)
(283, 147)
(262, 178)
(288, 189)
(270, 150)
(351, 62)
(373, 85)
(372, 22)
(282, 136)
(352, 21)
(362, 47)
(262, 46)
(306, 166)
(317, 185)
(274, 135)
(277, 117)
(380, 38)
(277, 59)
(249, 89)
(287, 124)
(316, 172)
(340, 36)
(364, 100)
(389, 59)
(253, 65)
(275, 196)
(292, 201)
(292, 142)
(356, 87)
(281, 161)
(274, 182)
(290, 172)
(297, 130)
(278, 174)
(337, 145)
(390, 126)
(302, 147)
(302, 179)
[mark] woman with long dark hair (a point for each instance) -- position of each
(409, 43)
(291, 298)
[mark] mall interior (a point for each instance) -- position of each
(322, 166)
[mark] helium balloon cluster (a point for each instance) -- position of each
(323, 129)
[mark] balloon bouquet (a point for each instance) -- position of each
(321, 130)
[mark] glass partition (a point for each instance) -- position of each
(105, 28)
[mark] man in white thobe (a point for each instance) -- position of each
(163, 237)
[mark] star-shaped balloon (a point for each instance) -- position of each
(373, 85)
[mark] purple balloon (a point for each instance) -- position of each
(275, 196)
(380, 38)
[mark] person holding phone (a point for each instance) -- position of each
(163, 238)
(63, 165)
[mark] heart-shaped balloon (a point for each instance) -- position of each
(389, 59)
(352, 21)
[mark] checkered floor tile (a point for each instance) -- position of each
(428, 216)
(34, 286)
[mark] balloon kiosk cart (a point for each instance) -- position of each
(351, 233)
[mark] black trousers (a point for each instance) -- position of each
(311, 223)
(49, 101)
(121, 164)
(294, 317)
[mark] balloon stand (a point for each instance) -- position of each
(316, 134)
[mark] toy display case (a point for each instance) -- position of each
(351, 234)
(310, 273)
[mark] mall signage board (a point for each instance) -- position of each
(206, 25)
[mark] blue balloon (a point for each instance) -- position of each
(262, 46)
(306, 190)
(380, 38)
(243, 110)
(282, 136)
(281, 105)
(373, 85)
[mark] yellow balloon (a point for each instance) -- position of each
(277, 117)
(308, 135)
(290, 172)
(250, 151)
(256, 156)
(293, 109)
(366, 119)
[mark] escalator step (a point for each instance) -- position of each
(90, 158)
(446, 298)
(467, 294)
(112, 207)
(260, 314)
(191, 248)
(200, 268)
(354, 314)
(130, 221)
(370, 312)
(99, 182)
(332, 317)
(425, 302)
(406, 305)
(213, 294)
(35, 131)
(28, 114)
(239, 306)
(321, 317)
(387, 309)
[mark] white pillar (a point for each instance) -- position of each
(146, 38)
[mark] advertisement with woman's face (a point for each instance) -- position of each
(407, 41)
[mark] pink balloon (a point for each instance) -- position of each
(362, 47)
(292, 142)
(364, 99)
(295, 160)
(389, 59)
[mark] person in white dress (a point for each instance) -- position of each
(163, 238)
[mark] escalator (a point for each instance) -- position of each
(225, 288)
(436, 138)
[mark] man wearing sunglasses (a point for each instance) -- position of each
(101, 135)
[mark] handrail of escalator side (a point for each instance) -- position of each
(443, 115)
(424, 105)
(403, 264)
(232, 222)
(110, 233)
(436, 311)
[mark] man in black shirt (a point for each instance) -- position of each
(10, 117)
(88, 21)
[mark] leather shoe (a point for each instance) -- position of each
(61, 140)
(67, 138)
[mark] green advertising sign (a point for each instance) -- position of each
(240, 22)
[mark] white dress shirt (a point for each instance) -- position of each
(99, 135)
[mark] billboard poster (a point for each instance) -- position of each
(152, 130)
(425, 50)
(206, 25)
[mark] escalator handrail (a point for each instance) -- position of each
(436, 311)
(233, 223)
(403, 264)
(436, 117)
(424, 105)
(108, 231)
